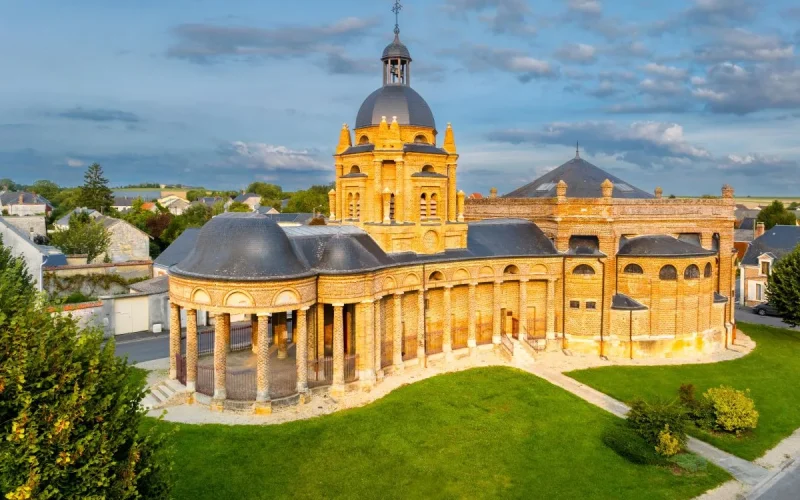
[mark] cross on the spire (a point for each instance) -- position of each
(577, 150)
(396, 9)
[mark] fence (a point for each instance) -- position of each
(538, 344)
(205, 340)
(241, 337)
(483, 334)
(460, 337)
(433, 341)
(181, 364)
(350, 363)
(320, 371)
(507, 344)
(240, 384)
(409, 347)
(205, 380)
(282, 383)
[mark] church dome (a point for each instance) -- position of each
(396, 49)
(395, 100)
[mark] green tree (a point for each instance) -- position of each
(783, 287)
(195, 194)
(137, 215)
(95, 192)
(48, 189)
(793, 205)
(218, 208)
(194, 216)
(70, 420)
(239, 207)
(84, 236)
(313, 199)
(6, 183)
(774, 214)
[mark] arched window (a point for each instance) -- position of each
(363, 140)
(633, 269)
(512, 269)
(429, 168)
(708, 270)
(583, 269)
(432, 206)
(436, 276)
(358, 206)
(668, 272)
(351, 207)
(423, 206)
(391, 207)
(355, 169)
(691, 272)
(421, 139)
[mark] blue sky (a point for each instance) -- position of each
(687, 95)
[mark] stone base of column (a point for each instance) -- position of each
(191, 386)
(190, 399)
(398, 369)
(283, 353)
(471, 343)
(496, 339)
(523, 337)
(262, 407)
(302, 389)
(337, 391)
(379, 375)
(173, 374)
(448, 354)
(303, 397)
(217, 404)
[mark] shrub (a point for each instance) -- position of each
(699, 411)
(631, 446)
(650, 419)
(690, 462)
(686, 394)
(668, 445)
(734, 410)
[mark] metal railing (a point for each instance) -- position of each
(181, 365)
(433, 341)
(483, 333)
(460, 337)
(240, 384)
(241, 337)
(320, 371)
(506, 342)
(205, 340)
(205, 380)
(282, 383)
(409, 347)
(538, 343)
(350, 364)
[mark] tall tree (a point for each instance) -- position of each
(95, 192)
(84, 236)
(775, 213)
(6, 183)
(70, 419)
(783, 288)
(313, 199)
(48, 189)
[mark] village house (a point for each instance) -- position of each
(175, 204)
(36, 257)
(126, 242)
(252, 200)
(764, 251)
(23, 203)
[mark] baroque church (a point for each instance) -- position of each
(408, 273)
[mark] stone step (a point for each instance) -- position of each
(162, 393)
(148, 402)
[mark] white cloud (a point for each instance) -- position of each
(72, 162)
(665, 71)
(259, 155)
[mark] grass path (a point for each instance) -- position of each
(482, 433)
(771, 372)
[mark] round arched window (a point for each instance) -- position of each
(355, 169)
(584, 270)
(512, 269)
(421, 139)
(428, 168)
(708, 270)
(692, 272)
(363, 140)
(668, 272)
(633, 269)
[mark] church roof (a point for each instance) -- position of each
(396, 49)
(660, 245)
(395, 100)
(583, 181)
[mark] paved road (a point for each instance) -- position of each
(745, 314)
(786, 487)
(143, 347)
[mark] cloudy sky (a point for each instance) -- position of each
(687, 94)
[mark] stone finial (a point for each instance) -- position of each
(727, 191)
(345, 141)
(493, 193)
(387, 199)
(460, 206)
(659, 192)
(561, 189)
(383, 125)
(607, 188)
(332, 203)
(449, 140)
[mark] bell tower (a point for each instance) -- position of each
(392, 179)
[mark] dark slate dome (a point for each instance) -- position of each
(395, 100)
(241, 246)
(396, 49)
(659, 245)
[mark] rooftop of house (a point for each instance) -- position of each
(27, 198)
(178, 249)
(778, 241)
(64, 221)
(246, 196)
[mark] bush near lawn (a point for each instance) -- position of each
(770, 372)
(482, 433)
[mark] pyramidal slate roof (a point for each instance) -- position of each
(583, 181)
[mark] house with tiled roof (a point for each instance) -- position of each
(764, 252)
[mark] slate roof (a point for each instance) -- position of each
(779, 241)
(423, 148)
(748, 223)
(363, 148)
(153, 285)
(64, 221)
(660, 246)
(208, 201)
(296, 218)
(622, 302)
(743, 235)
(395, 100)
(12, 198)
(179, 248)
(123, 201)
(583, 181)
(256, 248)
(396, 49)
(720, 299)
(244, 197)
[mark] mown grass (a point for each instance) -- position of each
(771, 372)
(482, 433)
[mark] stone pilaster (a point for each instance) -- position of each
(301, 343)
(279, 334)
(421, 327)
(191, 350)
(338, 350)
(472, 341)
(399, 192)
(226, 318)
(523, 309)
(398, 332)
(377, 198)
(378, 333)
(550, 327)
(263, 404)
(496, 319)
(451, 192)
(221, 337)
(320, 331)
(447, 340)
(254, 333)
(367, 375)
(174, 339)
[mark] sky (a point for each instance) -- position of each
(687, 95)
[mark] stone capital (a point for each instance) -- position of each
(338, 304)
(263, 314)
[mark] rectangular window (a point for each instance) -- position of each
(591, 305)
(765, 268)
(575, 304)
(759, 292)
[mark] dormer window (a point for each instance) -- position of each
(765, 268)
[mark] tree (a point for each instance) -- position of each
(95, 192)
(783, 287)
(194, 216)
(218, 208)
(156, 225)
(775, 214)
(70, 419)
(8, 184)
(271, 194)
(313, 199)
(195, 194)
(237, 206)
(84, 236)
(48, 189)
(793, 206)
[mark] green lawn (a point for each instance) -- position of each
(482, 433)
(771, 372)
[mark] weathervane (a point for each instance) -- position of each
(577, 150)
(396, 9)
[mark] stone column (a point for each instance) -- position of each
(447, 340)
(550, 328)
(301, 344)
(378, 339)
(399, 192)
(174, 339)
(226, 318)
(221, 336)
(496, 319)
(421, 327)
(460, 206)
(387, 200)
(398, 332)
(377, 209)
(367, 375)
(472, 341)
(254, 333)
(338, 350)
(191, 350)
(279, 334)
(523, 309)
(332, 203)
(320, 331)
(263, 404)
(451, 192)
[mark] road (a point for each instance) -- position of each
(745, 314)
(785, 486)
(141, 347)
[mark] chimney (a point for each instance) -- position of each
(493, 193)
(21, 198)
(759, 229)
(659, 192)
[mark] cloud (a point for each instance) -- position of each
(646, 144)
(653, 106)
(339, 64)
(579, 53)
(665, 71)
(261, 156)
(661, 87)
(585, 7)
(207, 43)
(730, 88)
(503, 16)
(74, 163)
(705, 13)
(99, 115)
(604, 89)
(737, 44)
(632, 48)
(484, 58)
(760, 165)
